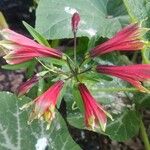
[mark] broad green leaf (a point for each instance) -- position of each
(94, 77)
(74, 106)
(53, 18)
(15, 134)
(63, 91)
(18, 66)
(30, 70)
(136, 9)
(77, 97)
(113, 58)
(142, 100)
(124, 127)
(37, 36)
(116, 8)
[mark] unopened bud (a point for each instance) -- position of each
(75, 22)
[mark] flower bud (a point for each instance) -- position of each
(75, 22)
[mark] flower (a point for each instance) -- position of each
(127, 39)
(26, 86)
(45, 103)
(24, 49)
(133, 74)
(95, 115)
(75, 22)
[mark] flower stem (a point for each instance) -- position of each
(51, 70)
(144, 135)
(74, 73)
(89, 69)
(75, 47)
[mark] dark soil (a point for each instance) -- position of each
(15, 12)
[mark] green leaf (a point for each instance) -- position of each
(30, 70)
(136, 9)
(142, 100)
(77, 97)
(37, 36)
(63, 91)
(94, 77)
(41, 85)
(124, 127)
(18, 66)
(74, 106)
(53, 18)
(116, 8)
(53, 61)
(16, 134)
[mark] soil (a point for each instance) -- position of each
(15, 12)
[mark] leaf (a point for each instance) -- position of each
(37, 36)
(74, 106)
(77, 97)
(124, 127)
(116, 8)
(142, 100)
(62, 94)
(53, 61)
(94, 77)
(53, 18)
(17, 66)
(15, 134)
(136, 9)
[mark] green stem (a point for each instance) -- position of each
(89, 69)
(144, 135)
(69, 59)
(74, 73)
(51, 70)
(75, 47)
(68, 63)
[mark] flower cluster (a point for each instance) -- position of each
(22, 49)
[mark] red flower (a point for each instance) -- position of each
(26, 86)
(24, 49)
(75, 21)
(134, 74)
(45, 103)
(127, 39)
(95, 115)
